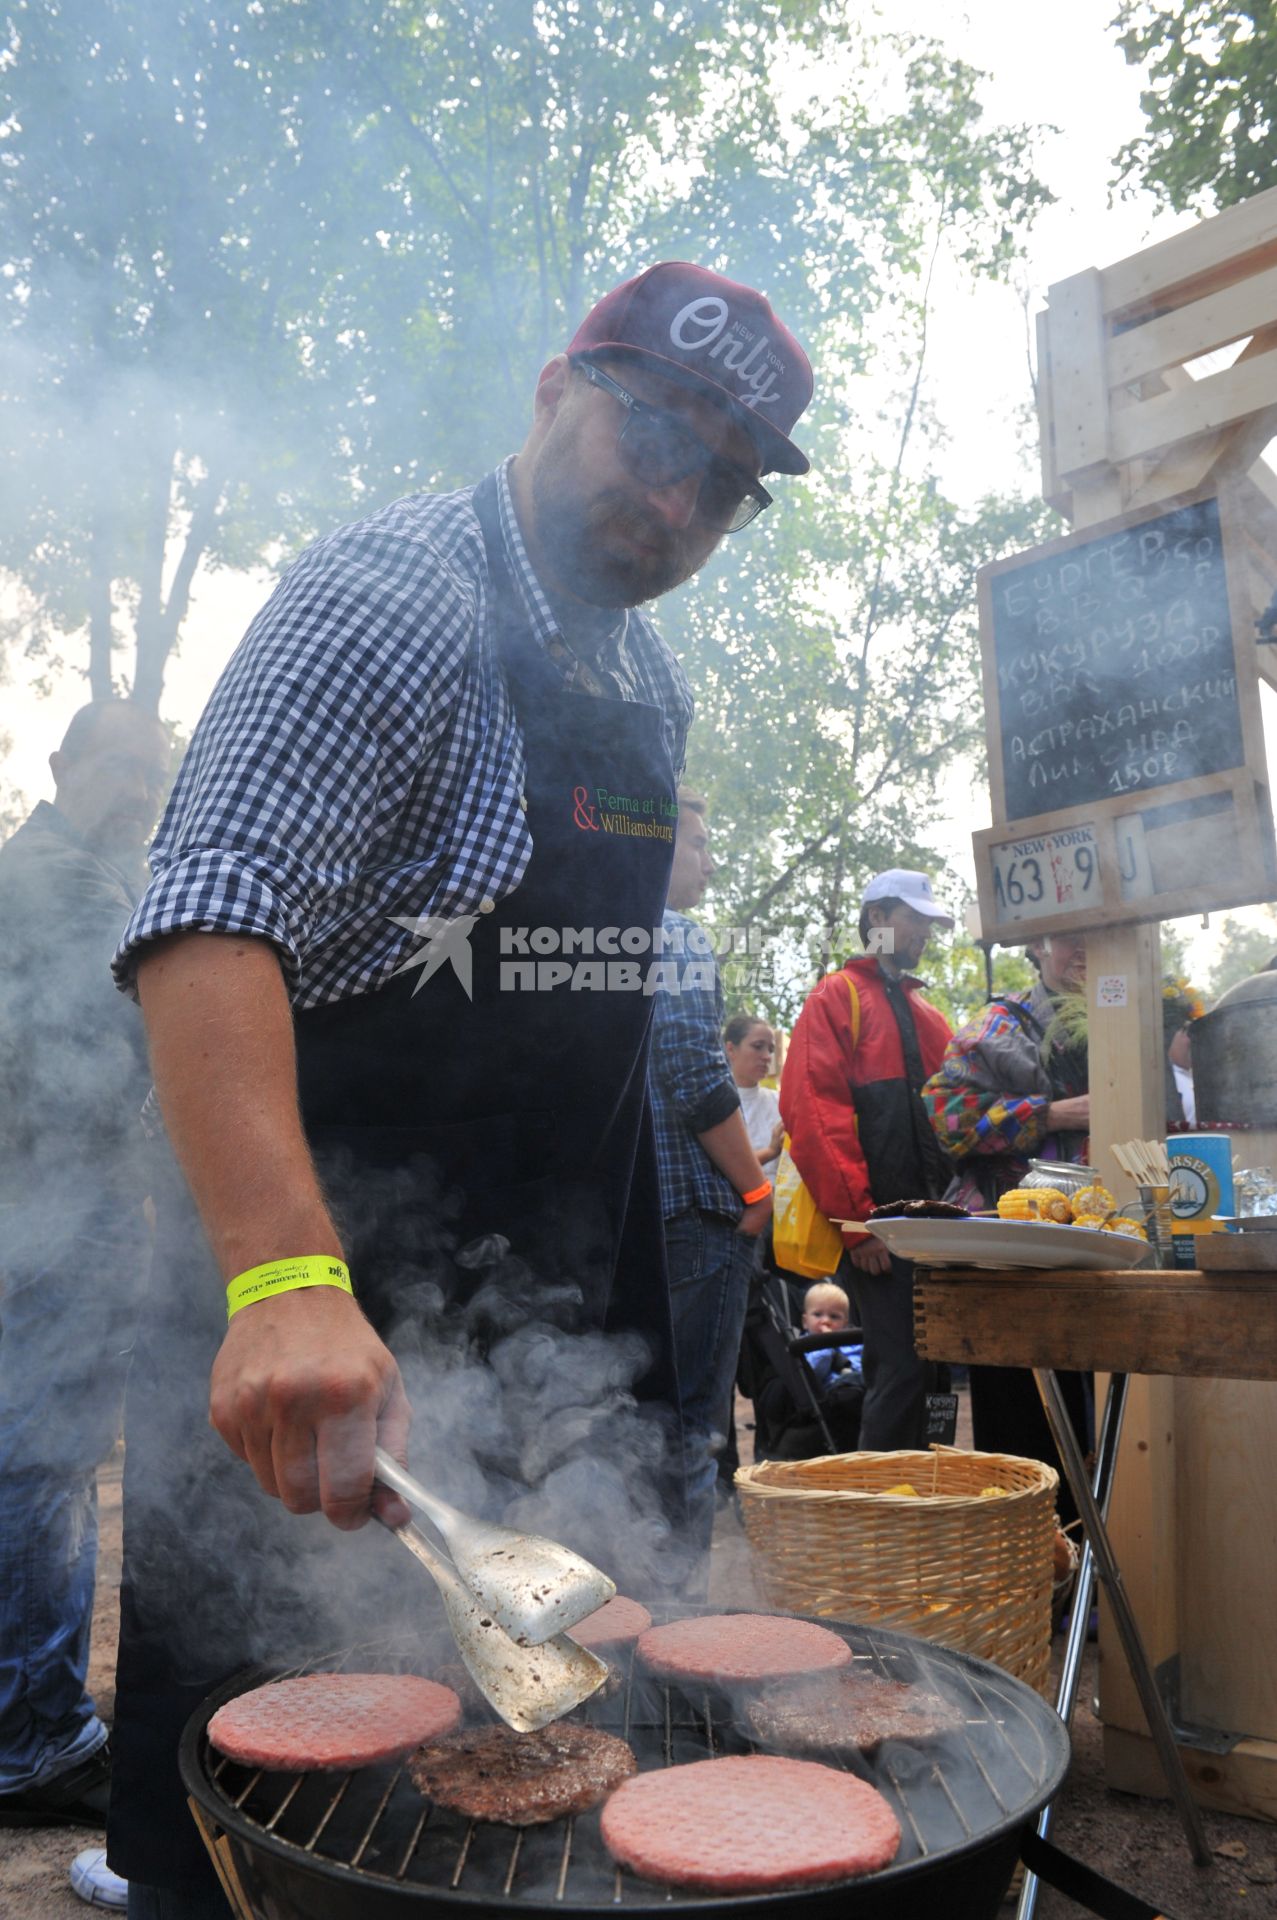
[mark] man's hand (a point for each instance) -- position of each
(755, 1218)
(302, 1389)
(868, 1253)
(1069, 1116)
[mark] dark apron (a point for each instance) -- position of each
(491, 1164)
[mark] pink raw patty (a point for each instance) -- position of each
(333, 1720)
(617, 1624)
(749, 1823)
(741, 1646)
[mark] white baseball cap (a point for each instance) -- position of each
(902, 883)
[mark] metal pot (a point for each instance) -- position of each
(366, 1846)
(1235, 1056)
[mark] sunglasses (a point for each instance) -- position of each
(657, 449)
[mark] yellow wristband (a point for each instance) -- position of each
(285, 1276)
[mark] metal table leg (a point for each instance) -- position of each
(1111, 1574)
(1080, 1606)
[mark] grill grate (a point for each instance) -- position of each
(374, 1825)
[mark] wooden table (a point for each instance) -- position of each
(1216, 1325)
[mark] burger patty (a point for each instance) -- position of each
(618, 1624)
(521, 1779)
(735, 1647)
(918, 1210)
(332, 1720)
(845, 1711)
(749, 1823)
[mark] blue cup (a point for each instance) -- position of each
(1201, 1186)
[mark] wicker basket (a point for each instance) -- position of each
(968, 1571)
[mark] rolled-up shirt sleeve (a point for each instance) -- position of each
(307, 749)
(688, 1062)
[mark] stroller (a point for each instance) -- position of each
(798, 1412)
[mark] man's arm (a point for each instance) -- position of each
(302, 1387)
(727, 1145)
(690, 1069)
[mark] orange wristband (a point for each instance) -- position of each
(758, 1193)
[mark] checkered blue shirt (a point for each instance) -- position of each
(359, 757)
(690, 1081)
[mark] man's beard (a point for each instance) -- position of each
(575, 537)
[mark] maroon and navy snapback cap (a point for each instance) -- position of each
(719, 334)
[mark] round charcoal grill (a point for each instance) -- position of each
(362, 1845)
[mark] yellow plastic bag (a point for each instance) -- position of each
(803, 1240)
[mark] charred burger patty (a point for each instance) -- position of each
(521, 1779)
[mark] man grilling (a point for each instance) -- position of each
(449, 726)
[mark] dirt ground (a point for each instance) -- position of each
(1136, 1842)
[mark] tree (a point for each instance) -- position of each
(367, 224)
(1212, 128)
(1245, 947)
(828, 717)
(271, 262)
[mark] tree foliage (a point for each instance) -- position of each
(1245, 946)
(1212, 123)
(271, 261)
(273, 264)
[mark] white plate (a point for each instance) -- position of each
(1008, 1243)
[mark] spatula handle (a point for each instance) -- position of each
(400, 1481)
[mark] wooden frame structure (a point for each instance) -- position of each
(1124, 421)
(1143, 869)
(1130, 418)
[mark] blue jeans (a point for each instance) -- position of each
(71, 1276)
(709, 1264)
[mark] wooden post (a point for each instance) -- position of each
(1128, 1102)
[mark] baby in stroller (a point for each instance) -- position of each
(807, 1388)
(827, 1310)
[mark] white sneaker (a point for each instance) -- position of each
(95, 1883)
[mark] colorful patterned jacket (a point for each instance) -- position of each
(992, 1091)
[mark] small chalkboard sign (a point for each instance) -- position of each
(1126, 752)
(1110, 663)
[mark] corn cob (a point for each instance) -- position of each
(1034, 1203)
(1109, 1224)
(1121, 1224)
(1093, 1199)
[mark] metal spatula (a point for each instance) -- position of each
(532, 1587)
(527, 1686)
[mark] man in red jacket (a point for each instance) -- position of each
(859, 1136)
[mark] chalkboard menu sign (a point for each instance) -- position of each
(1126, 752)
(1111, 663)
